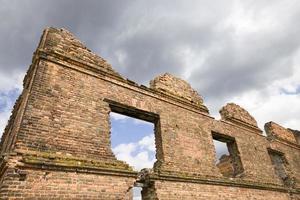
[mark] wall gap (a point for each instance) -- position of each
(137, 193)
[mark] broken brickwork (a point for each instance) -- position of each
(57, 142)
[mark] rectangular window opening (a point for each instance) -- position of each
(280, 166)
(133, 136)
(227, 156)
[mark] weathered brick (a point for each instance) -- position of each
(57, 142)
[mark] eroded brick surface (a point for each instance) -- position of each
(173, 190)
(177, 87)
(234, 112)
(275, 130)
(57, 142)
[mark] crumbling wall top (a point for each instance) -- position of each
(296, 134)
(176, 86)
(274, 130)
(65, 43)
(234, 112)
(63, 46)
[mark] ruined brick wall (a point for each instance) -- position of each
(57, 143)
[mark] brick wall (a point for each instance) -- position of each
(57, 143)
(179, 190)
(44, 184)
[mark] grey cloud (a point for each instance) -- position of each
(150, 36)
(224, 73)
(153, 38)
(25, 20)
(251, 63)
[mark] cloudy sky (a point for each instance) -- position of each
(244, 51)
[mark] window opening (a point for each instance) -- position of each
(280, 166)
(227, 155)
(133, 141)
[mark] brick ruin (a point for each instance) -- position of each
(57, 142)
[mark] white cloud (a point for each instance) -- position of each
(137, 198)
(220, 148)
(139, 154)
(6, 104)
(4, 116)
(137, 193)
(9, 82)
(275, 106)
(117, 116)
(272, 103)
(148, 143)
(141, 122)
(124, 118)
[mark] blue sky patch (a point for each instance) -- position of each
(287, 92)
(7, 99)
(127, 129)
(133, 141)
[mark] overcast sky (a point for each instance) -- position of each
(242, 51)
(245, 51)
